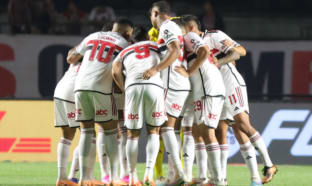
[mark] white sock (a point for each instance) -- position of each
(103, 158)
(188, 153)
(92, 158)
(132, 152)
(249, 155)
(201, 159)
(63, 149)
(122, 152)
(84, 151)
(178, 136)
(224, 156)
(112, 152)
(171, 145)
(171, 169)
(214, 161)
(152, 149)
(74, 165)
(259, 145)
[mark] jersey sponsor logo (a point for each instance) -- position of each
(101, 112)
(157, 114)
(176, 106)
(212, 116)
(133, 116)
(71, 115)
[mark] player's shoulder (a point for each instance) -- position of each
(169, 26)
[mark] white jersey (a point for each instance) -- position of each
(168, 32)
(207, 81)
(65, 87)
(216, 40)
(99, 50)
(138, 58)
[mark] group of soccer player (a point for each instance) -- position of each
(180, 81)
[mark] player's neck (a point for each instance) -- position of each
(162, 19)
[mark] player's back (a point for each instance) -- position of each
(138, 58)
(99, 50)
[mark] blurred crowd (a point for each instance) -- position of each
(73, 17)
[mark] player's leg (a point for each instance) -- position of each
(174, 103)
(211, 112)
(152, 148)
(62, 109)
(188, 147)
(221, 134)
(201, 154)
(74, 169)
(124, 175)
(103, 158)
(154, 116)
(248, 153)
(159, 162)
(242, 121)
(132, 151)
(134, 122)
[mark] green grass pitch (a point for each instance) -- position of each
(45, 174)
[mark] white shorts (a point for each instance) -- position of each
(188, 112)
(144, 104)
(236, 101)
(174, 102)
(94, 106)
(208, 110)
(120, 100)
(64, 113)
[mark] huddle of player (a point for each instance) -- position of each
(178, 77)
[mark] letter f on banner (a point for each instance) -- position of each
(273, 130)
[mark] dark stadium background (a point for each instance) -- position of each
(276, 33)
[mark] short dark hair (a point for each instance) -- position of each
(178, 21)
(163, 7)
(187, 18)
(139, 34)
(108, 26)
(124, 21)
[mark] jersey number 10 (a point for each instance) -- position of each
(110, 49)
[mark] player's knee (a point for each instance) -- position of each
(133, 133)
(153, 130)
(68, 133)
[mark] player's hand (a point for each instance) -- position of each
(215, 61)
(149, 73)
(181, 70)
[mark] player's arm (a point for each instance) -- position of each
(172, 55)
(73, 57)
(117, 74)
(202, 55)
(233, 54)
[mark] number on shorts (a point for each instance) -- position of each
(108, 47)
(197, 105)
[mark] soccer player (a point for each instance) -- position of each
(208, 97)
(64, 109)
(93, 93)
(144, 101)
(170, 42)
(236, 104)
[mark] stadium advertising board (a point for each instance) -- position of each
(27, 132)
(30, 66)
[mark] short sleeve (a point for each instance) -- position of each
(82, 47)
(223, 42)
(192, 42)
(169, 32)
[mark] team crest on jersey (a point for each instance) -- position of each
(167, 34)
